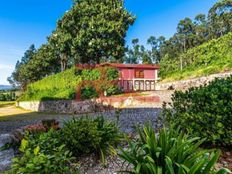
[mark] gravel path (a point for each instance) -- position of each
(127, 118)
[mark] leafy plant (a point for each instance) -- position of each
(43, 153)
(88, 92)
(85, 136)
(168, 152)
(205, 112)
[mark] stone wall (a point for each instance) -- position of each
(88, 106)
(58, 106)
(195, 82)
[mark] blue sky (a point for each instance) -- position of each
(23, 22)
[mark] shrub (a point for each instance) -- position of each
(85, 136)
(205, 112)
(43, 153)
(169, 152)
(88, 92)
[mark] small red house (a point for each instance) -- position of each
(136, 77)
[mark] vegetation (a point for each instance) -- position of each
(47, 150)
(65, 85)
(86, 136)
(205, 112)
(169, 152)
(43, 153)
(8, 95)
(92, 31)
(190, 33)
(58, 86)
(212, 57)
(6, 103)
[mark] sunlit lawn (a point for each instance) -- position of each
(6, 103)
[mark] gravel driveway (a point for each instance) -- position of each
(128, 118)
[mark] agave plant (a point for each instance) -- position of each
(169, 152)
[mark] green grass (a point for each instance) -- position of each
(58, 86)
(212, 57)
(6, 103)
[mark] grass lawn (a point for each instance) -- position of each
(6, 103)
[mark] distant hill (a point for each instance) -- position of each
(5, 87)
(214, 56)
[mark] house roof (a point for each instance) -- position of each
(120, 65)
(137, 66)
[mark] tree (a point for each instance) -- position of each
(16, 77)
(133, 54)
(220, 18)
(94, 30)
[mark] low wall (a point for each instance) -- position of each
(195, 82)
(100, 104)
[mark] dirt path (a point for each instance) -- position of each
(11, 110)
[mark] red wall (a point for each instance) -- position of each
(127, 74)
(149, 74)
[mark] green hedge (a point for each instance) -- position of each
(58, 86)
(205, 112)
(62, 86)
(212, 57)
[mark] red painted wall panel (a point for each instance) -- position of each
(127, 74)
(149, 74)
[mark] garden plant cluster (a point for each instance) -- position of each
(198, 120)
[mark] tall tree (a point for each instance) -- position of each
(133, 54)
(97, 29)
(16, 78)
(220, 18)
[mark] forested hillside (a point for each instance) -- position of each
(212, 57)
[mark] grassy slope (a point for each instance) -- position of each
(58, 86)
(214, 56)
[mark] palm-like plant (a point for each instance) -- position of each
(169, 152)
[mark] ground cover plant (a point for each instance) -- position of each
(168, 152)
(85, 136)
(43, 153)
(214, 56)
(205, 111)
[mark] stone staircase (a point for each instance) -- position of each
(6, 155)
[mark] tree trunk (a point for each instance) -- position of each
(63, 62)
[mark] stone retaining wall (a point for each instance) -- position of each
(100, 104)
(195, 82)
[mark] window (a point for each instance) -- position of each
(139, 74)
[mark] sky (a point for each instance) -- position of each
(26, 22)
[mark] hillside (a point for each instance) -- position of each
(58, 86)
(63, 86)
(214, 56)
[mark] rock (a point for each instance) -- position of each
(6, 155)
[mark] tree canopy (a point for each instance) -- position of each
(92, 31)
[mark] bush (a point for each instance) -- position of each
(85, 136)
(169, 152)
(88, 93)
(205, 111)
(43, 153)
